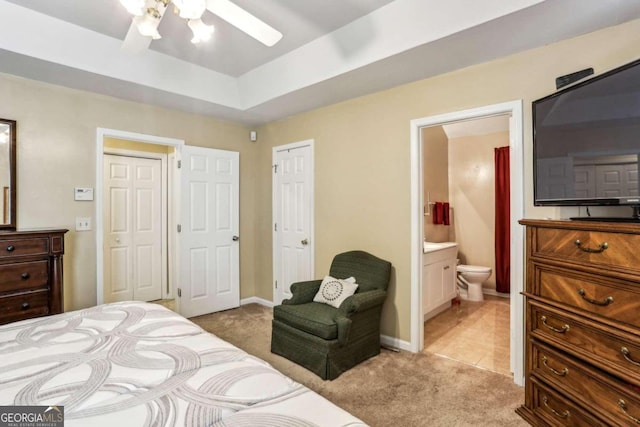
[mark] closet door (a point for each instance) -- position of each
(132, 222)
(293, 242)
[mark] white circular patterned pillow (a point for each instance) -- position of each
(333, 291)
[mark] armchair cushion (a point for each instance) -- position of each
(314, 318)
(333, 291)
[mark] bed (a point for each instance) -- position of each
(140, 364)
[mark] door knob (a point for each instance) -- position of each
(305, 242)
(235, 238)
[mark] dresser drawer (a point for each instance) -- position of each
(604, 347)
(556, 410)
(22, 247)
(23, 306)
(615, 300)
(618, 402)
(595, 248)
(23, 275)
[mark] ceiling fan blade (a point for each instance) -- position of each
(245, 21)
(135, 42)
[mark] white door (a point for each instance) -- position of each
(555, 179)
(132, 228)
(209, 258)
(584, 181)
(617, 180)
(293, 216)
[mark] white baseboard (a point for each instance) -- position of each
(393, 342)
(256, 300)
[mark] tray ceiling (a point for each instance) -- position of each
(331, 50)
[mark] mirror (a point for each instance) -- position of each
(7, 174)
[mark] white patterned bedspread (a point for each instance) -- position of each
(140, 364)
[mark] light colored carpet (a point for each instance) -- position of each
(392, 389)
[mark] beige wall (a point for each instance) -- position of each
(362, 158)
(56, 145)
(435, 166)
(472, 192)
(122, 144)
(362, 153)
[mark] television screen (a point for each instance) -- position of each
(586, 142)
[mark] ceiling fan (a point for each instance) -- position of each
(147, 15)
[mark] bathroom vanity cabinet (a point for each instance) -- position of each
(438, 277)
(582, 323)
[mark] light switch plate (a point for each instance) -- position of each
(83, 223)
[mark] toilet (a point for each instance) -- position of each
(471, 277)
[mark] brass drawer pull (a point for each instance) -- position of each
(564, 414)
(564, 328)
(11, 248)
(601, 247)
(623, 405)
(562, 373)
(627, 355)
(606, 301)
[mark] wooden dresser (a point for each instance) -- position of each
(30, 274)
(582, 323)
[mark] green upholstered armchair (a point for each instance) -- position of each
(327, 340)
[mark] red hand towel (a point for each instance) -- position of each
(445, 213)
(437, 213)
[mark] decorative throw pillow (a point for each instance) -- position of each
(333, 291)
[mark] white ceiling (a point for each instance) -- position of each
(332, 50)
(231, 51)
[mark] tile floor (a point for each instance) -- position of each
(476, 333)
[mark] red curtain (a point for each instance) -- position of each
(503, 215)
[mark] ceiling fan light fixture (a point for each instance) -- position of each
(201, 31)
(148, 24)
(190, 9)
(134, 7)
(149, 13)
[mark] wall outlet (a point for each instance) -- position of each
(83, 223)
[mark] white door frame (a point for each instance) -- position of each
(514, 108)
(275, 251)
(173, 198)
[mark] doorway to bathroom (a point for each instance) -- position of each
(460, 172)
(474, 245)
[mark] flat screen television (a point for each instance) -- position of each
(586, 142)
